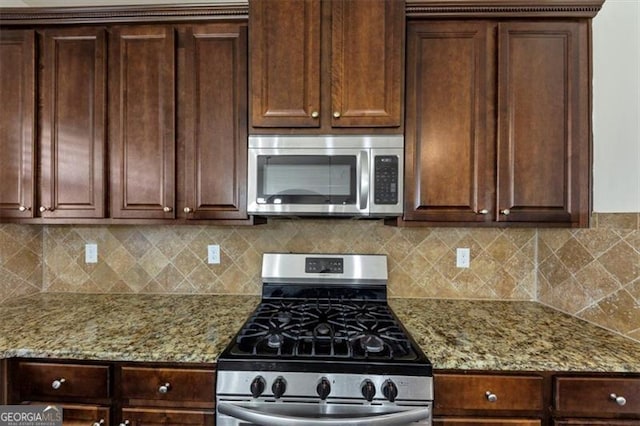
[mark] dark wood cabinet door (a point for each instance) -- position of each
(72, 141)
(17, 123)
(160, 417)
(285, 63)
(367, 39)
(141, 122)
(449, 138)
(213, 122)
(543, 122)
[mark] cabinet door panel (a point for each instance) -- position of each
(153, 417)
(73, 119)
(17, 123)
(448, 146)
(213, 125)
(366, 63)
(285, 63)
(141, 113)
(543, 141)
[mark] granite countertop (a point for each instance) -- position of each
(455, 334)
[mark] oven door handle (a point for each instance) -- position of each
(270, 419)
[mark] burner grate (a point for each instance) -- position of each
(325, 329)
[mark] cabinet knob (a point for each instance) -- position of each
(336, 114)
(99, 422)
(505, 212)
(164, 388)
(24, 208)
(167, 209)
(125, 423)
(315, 114)
(187, 210)
(484, 211)
(56, 384)
(45, 209)
(620, 400)
(491, 397)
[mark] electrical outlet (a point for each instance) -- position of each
(90, 253)
(463, 257)
(213, 254)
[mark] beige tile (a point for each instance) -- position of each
(153, 262)
(573, 255)
(186, 261)
(622, 261)
(596, 241)
(120, 260)
(137, 245)
(433, 249)
(596, 281)
(23, 263)
(501, 249)
(620, 312)
(618, 221)
(136, 278)
(554, 270)
(569, 296)
(554, 238)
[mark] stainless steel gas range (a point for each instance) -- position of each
(323, 348)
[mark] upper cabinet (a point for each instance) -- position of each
(326, 66)
(73, 134)
(141, 122)
(212, 121)
(17, 123)
(534, 167)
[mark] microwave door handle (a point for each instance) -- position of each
(271, 419)
(364, 179)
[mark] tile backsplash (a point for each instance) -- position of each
(591, 273)
(20, 260)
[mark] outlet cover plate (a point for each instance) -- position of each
(213, 254)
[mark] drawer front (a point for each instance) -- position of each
(39, 381)
(487, 392)
(82, 415)
(169, 384)
(485, 422)
(597, 395)
(149, 417)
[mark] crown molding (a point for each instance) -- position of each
(124, 14)
(503, 8)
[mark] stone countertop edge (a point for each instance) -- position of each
(454, 334)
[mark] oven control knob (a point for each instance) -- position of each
(368, 390)
(257, 386)
(390, 390)
(279, 387)
(323, 388)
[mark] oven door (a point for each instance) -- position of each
(234, 413)
(308, 181)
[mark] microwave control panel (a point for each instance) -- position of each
(385, 172)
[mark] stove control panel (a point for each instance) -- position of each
(324, 265)
(330, 387)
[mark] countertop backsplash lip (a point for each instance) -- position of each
(523, 335)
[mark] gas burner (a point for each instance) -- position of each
(322, 329)
(371, 343)
(274, 341)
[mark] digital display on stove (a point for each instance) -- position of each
(324, 265)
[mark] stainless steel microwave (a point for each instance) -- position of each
(326, 175)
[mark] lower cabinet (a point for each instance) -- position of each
(113, 393)
(167, 396)
(152, 417)
(600, 400)
(488, 399)
(83, 415)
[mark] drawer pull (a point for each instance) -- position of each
(164, 388)
(491, 397)
(99, 423)
(620, 400)
(56, 384)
